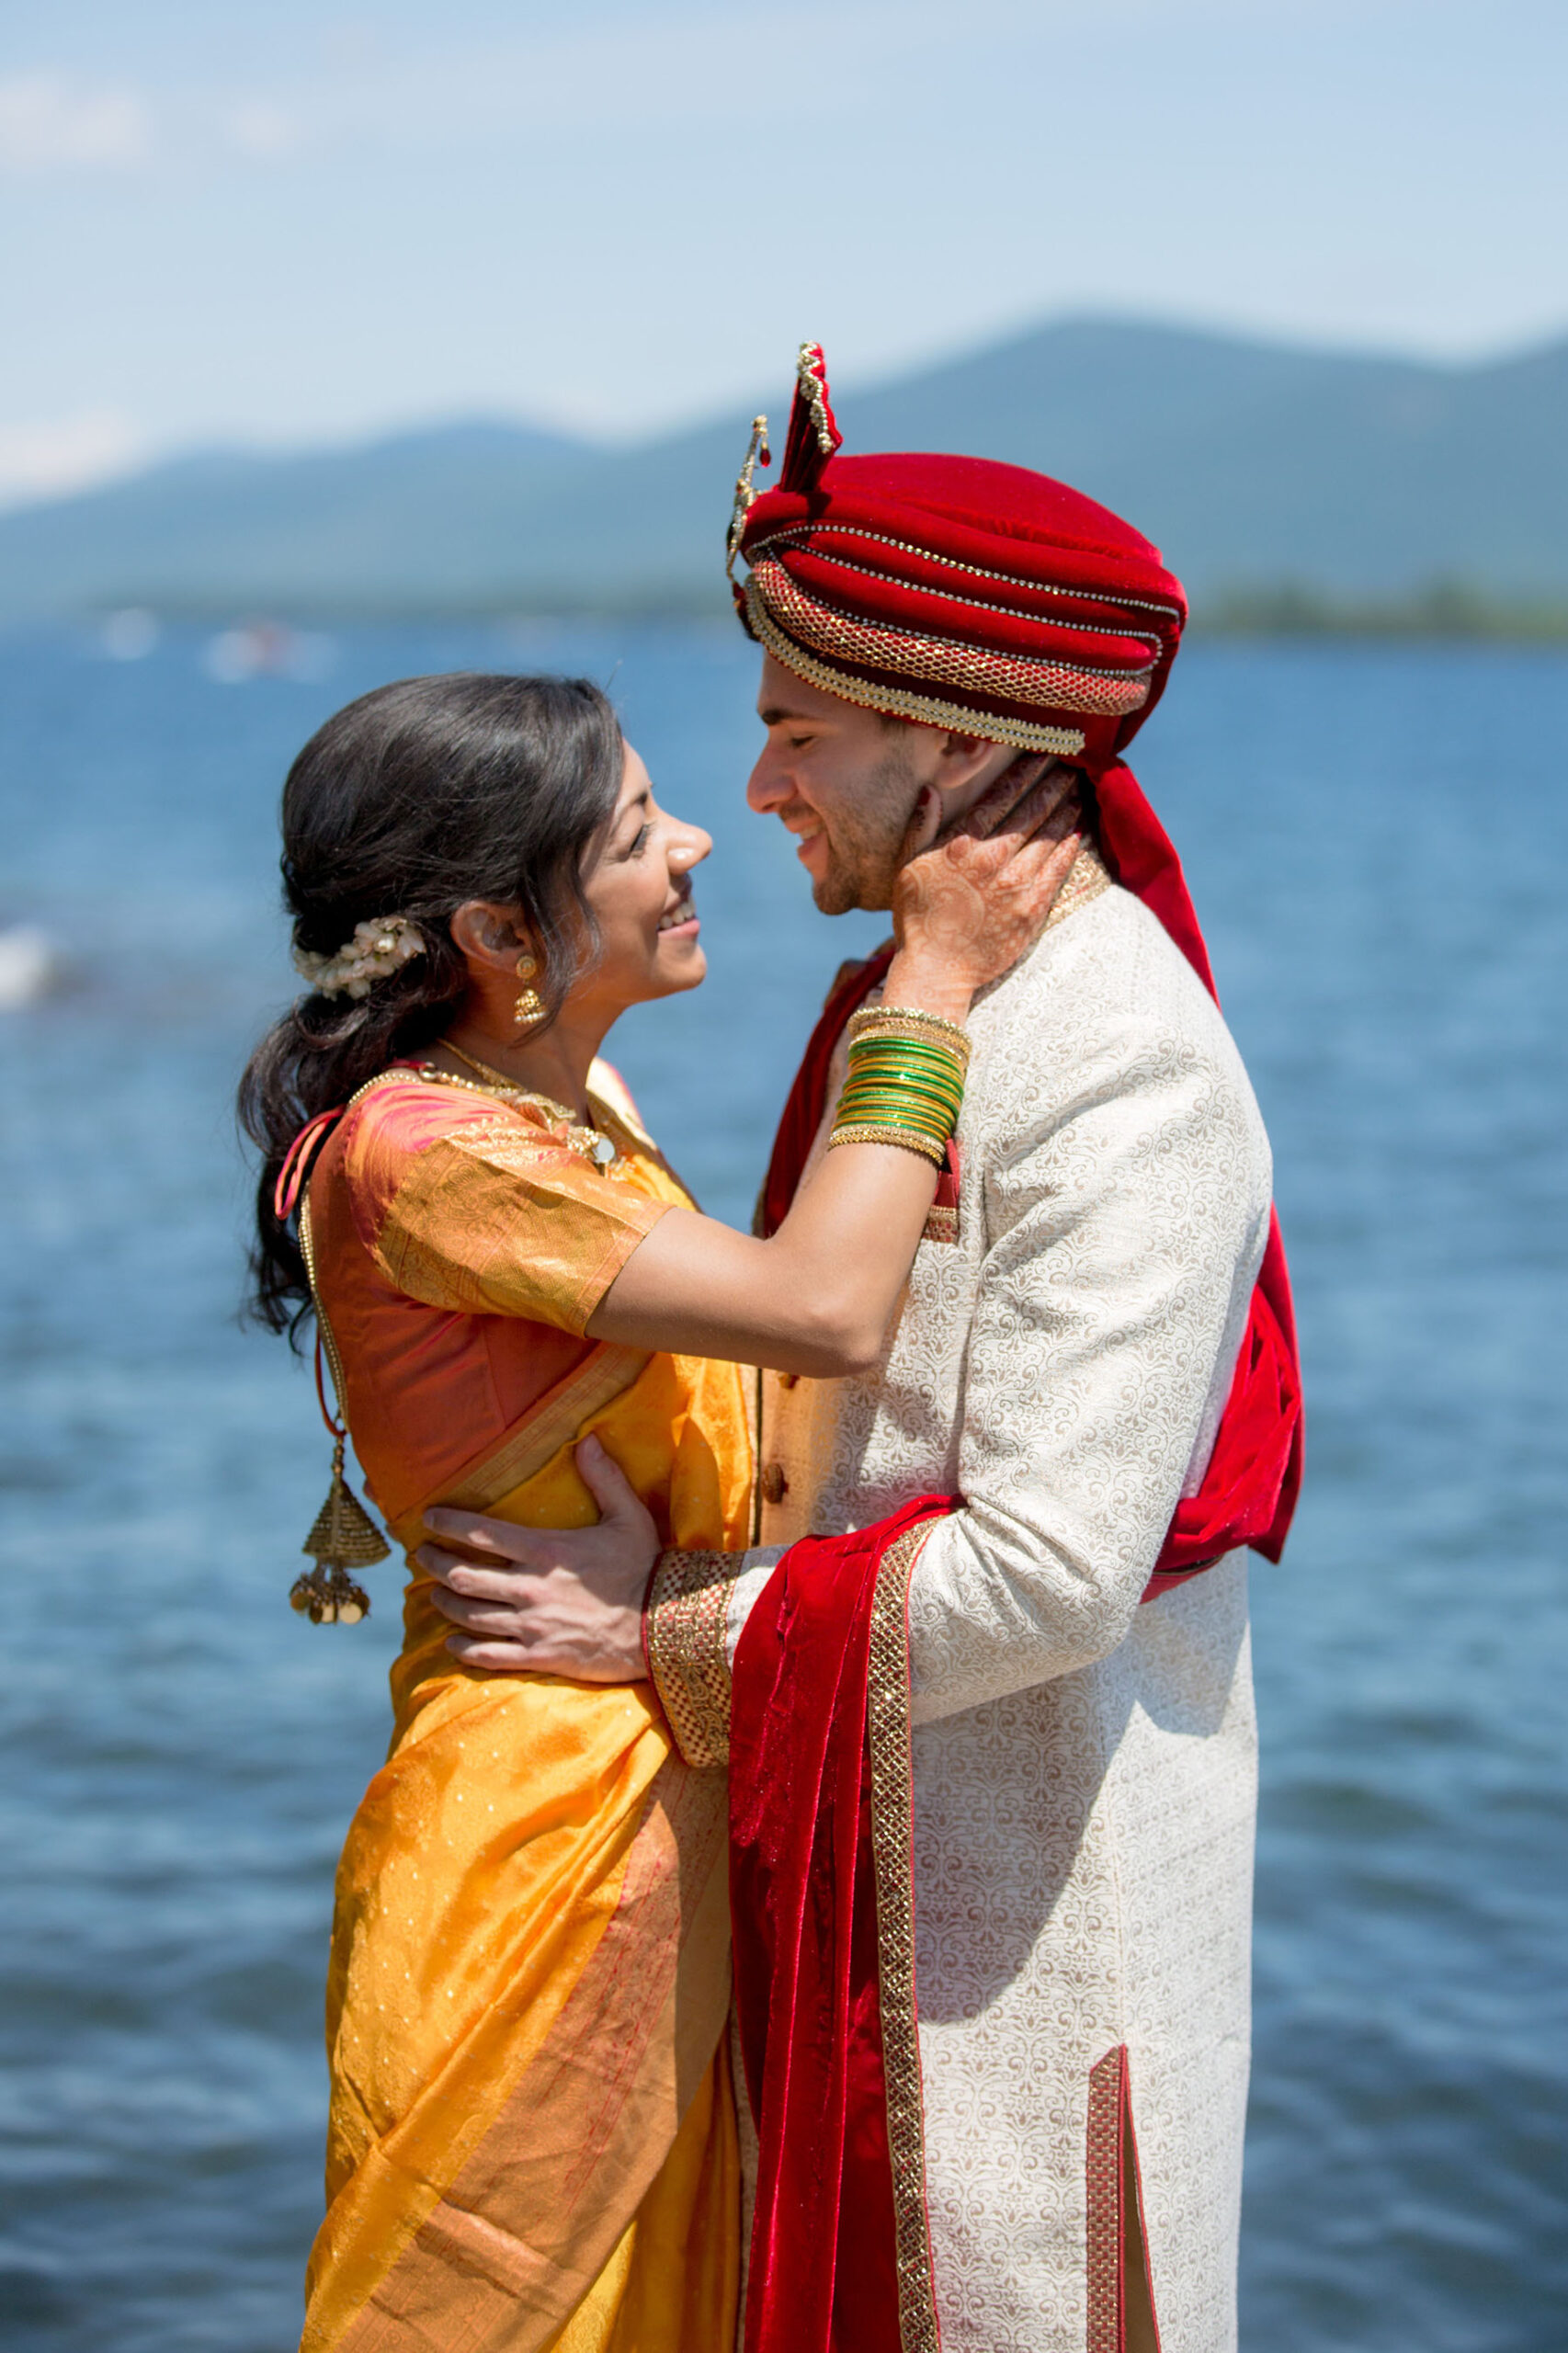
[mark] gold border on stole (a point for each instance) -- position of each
(893, 1846)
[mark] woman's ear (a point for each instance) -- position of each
(489, 935)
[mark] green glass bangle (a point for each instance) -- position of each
(920, 1107)
(901, 1084)
(910, 1038)
(929, 1074)
(924, 1073)
(942, 1067)
(901, 1050)
(935, 1117)
(904, 1082)
(873, 1114)
(898, 1081)
(869, 1038)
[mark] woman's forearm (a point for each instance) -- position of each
(818, 1296)
(815, 1298)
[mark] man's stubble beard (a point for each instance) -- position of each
(866, 840)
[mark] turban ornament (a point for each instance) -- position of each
(954, 591)
(814, 437)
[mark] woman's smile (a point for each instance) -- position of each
(680, 922)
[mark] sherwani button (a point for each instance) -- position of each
(775, 1485)
(788, 1379)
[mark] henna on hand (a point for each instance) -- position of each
(975, 899)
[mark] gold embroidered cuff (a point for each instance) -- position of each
(685, 1622)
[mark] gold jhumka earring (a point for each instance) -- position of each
(529, 1007)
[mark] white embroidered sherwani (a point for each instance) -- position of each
(1084, 1768)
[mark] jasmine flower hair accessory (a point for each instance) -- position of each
(377, 949)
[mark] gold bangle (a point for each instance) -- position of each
(932, 1026)
(882, 1011)
(905, 1138)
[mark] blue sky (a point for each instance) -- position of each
(290, 223)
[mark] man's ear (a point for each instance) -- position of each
(962, 763)
(489, 934)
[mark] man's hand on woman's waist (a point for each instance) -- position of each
(549, 1600)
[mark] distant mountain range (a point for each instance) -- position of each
(1273, 478)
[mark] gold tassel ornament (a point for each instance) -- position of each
(344, 1536)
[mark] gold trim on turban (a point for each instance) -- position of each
(944, 661)
(990, 726)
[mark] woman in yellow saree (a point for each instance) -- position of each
(532, 2139)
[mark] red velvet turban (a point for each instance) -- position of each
(955, 591)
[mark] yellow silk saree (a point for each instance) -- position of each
(532, 2139)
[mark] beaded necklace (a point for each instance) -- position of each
(587, 1140)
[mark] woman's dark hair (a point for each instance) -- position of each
(409, 801)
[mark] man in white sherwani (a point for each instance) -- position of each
(1083, 1748)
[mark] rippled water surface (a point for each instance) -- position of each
(1379, 847)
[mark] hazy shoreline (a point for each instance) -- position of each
(1297, 493)
(1447, 611)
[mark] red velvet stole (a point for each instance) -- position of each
(1249, 1490)
(833, 2258)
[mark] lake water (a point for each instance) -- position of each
(1378, 845)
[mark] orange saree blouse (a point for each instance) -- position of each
(532, 2140)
